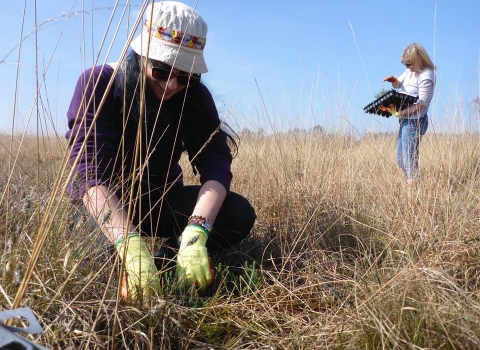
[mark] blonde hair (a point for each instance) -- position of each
(417, 56)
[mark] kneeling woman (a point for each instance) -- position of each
(127, 134)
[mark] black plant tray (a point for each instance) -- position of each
(399, 99)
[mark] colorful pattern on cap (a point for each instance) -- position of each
(176, 37)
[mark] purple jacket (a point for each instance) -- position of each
(106, 154)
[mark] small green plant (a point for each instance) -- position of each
(380, 93)
(248, 280)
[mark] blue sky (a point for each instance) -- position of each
(275, 65)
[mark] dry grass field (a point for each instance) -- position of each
(343, 255)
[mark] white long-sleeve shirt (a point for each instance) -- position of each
(422, 86)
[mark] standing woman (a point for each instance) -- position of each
(127, 132)
(418, 79)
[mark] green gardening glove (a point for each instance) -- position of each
(192, 261)
(142, 274)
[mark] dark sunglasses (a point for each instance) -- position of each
(408, 65)
(183, 78)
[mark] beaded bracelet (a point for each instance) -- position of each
(201, 221)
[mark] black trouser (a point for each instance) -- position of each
(168, 217)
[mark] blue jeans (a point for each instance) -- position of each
(408, 144)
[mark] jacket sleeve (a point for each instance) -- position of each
(426, 86)
(92, 139)
(206, 142)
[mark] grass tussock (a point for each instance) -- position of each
(343, 255)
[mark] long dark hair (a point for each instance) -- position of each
(128, 80)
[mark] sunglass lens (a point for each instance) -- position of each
(188, 79)
(160, 74)
(182, 79)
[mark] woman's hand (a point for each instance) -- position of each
(193, 267)
(392, 79)
(142, 275)
(390, 109)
